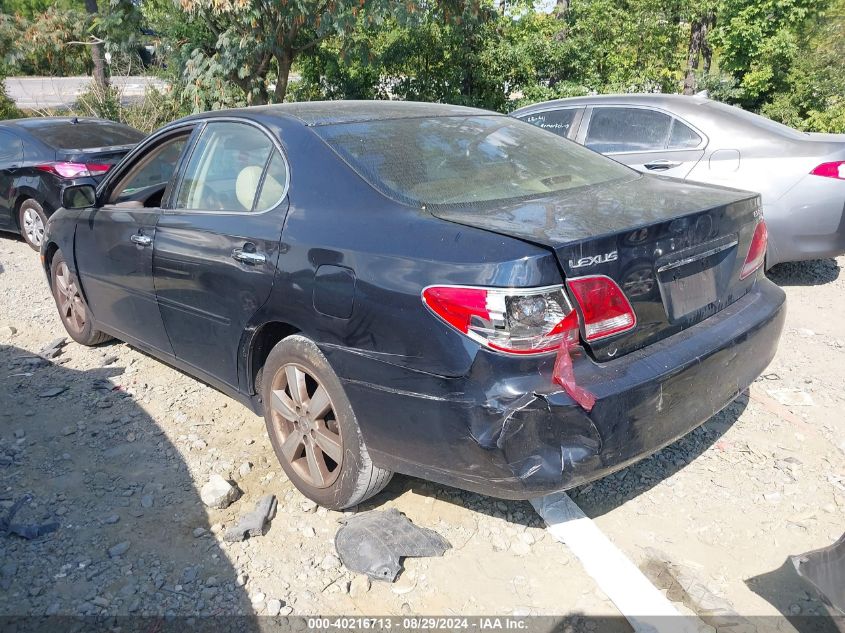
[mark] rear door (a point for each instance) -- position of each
(217, 248)
(115, 243)
(646, 139)
(11, 157)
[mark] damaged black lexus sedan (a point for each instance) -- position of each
(426, 289)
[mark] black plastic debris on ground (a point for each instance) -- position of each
(252, 523)
(26, 530)
(374, 543)
(825, 569)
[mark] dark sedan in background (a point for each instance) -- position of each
(435, 290)
(39, 157)
(800, 175)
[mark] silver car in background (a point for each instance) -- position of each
(800, 176)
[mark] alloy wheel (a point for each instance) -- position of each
(302, 410)
(33, 226)
(71, 303)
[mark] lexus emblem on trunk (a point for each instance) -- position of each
(594, 259)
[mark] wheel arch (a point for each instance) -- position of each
(21, 196)
(49, 253)
(258, 346)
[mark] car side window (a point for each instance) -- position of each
(225, 170)
(557, 121)
(273, 186)
(627, 130)
(147, 180)
(683, 136)
(11, 149)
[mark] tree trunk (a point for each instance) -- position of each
(101, 77)
(284, 60)
(560, 12)
(706, 49)
(561, 9)
(698, 44)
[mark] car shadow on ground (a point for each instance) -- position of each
(133, 537)
(814, 272)
(596, 498)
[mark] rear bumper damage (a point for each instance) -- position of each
(507, 430)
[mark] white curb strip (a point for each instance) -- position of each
(645, 607)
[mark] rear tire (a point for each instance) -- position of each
(313, 429)
(32, 220)
(73, 310)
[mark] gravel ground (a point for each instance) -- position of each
(116, 446)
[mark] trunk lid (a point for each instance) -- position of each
(675, 248)
(94, 155)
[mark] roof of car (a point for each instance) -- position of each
(313, 113)
(669, 101)
(53, 120)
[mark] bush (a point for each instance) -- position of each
(156, 109)
(100, 102)
(8, 109)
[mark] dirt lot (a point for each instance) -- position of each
(115, 446)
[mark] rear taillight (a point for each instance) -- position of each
(515, 321)
(757, 250)
(831, 170)
(604, 307)
(74, 170)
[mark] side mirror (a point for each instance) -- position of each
(79, 197)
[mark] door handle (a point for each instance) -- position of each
(141, 240)
(246, 257)
(661, 165)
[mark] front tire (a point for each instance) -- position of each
(313, 429)
(32, 220)
(73, 310)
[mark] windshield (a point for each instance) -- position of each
(86, 135)
(760, 122)
(432, 161)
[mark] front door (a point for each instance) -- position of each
(650, 141)
(217, 248)
(11, 157)
(115, 245)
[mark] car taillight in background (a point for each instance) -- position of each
(757, 251)
(831, 170)
(604, 307)
(74, 170)
(515, 321)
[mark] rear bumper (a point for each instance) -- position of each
(808, 222)
(506, 430)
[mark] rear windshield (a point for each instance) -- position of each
(466, 160)
(757, 121)
(86, 135)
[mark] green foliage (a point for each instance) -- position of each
(778, 57)
(256, 42)
(100, 102)
(156, 109)
(8, 110)
(760, 41)
(43, 44)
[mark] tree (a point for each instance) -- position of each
(701, 25)
(97, 53)
(256, 40)
(758, 42)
